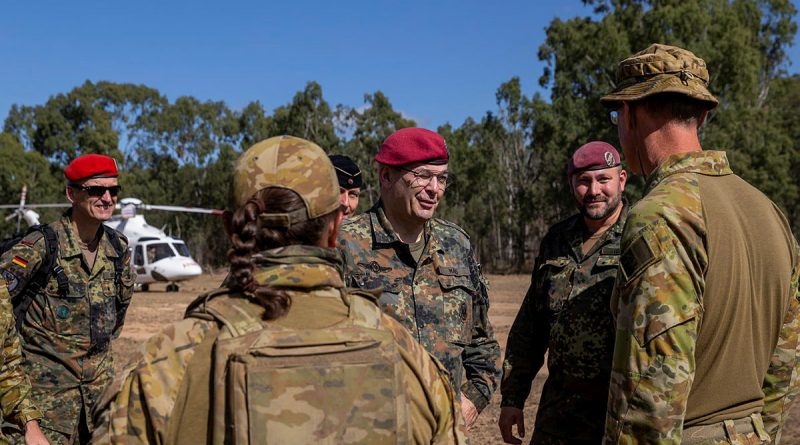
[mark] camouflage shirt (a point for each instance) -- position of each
(15, 388)
(707, 287)
(58, 331)
(151, 404)
(566, 315)
(442, 299)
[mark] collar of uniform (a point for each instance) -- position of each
(68, 246)
(299, 267)
(710, 163)
(381, 227)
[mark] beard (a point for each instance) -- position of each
(597, 213)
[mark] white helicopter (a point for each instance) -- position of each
(156, 256)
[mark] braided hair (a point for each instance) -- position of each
(250, 235)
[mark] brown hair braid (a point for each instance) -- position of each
(249, 235)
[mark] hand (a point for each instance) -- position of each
(510, 416)
(33, 435)
(468, 411)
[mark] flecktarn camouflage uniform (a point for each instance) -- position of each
(164, 397)
(566, 315)
(442, 300)
(66, 338)
(662, 303)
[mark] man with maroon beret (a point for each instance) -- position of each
(431, 280)
(565, 315)
(68, 321)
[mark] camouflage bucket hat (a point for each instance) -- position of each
(661, 69)
(291, 163)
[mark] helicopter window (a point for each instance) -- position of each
(158, 251)
(182, 249)
(138, 256)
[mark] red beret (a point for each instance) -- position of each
(593, 156)
(413, 145)
(91, 166)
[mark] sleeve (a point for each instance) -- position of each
(526, 346)
(137, 406)
(18, 264)
(656, 306)
(15, 389)
(126, 293)
(781, 384)
(481, 357)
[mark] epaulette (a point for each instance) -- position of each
(451, 225)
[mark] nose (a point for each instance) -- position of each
(594, 188)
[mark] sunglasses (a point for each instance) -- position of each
(98, 190)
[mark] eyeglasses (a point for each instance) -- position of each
(424, 177)
(98, 190)
(614, 116)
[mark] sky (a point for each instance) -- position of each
(437, 61)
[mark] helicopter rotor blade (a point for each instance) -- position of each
(180, 209)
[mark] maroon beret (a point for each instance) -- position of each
(594, 155)
(91, 166)
(413, 145)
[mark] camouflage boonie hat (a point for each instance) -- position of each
(291, 163)
(661, 69)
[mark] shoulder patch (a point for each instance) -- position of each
(11, 280)
(643, 251)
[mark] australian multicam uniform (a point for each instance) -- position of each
(565, 314)
(61, 333)
(442, 299)
(706, 308)
(148, 404)
(15, 389)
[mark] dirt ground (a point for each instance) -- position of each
(151, 311)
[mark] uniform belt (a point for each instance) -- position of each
(726, 430)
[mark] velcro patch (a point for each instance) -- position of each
(641, 254)
(11, 280)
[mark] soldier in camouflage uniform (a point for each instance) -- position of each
(431, 280)
(66, 336)
(287, 282)
(706, 298)
(15, 390)
(565, 313)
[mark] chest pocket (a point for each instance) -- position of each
(457, 294)
(555, 281)
(63, 314)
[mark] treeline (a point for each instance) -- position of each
(509, 164)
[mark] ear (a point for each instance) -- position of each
(702, 118)
(623, 179)
(70, 194)
(384, 175)
(333, 230)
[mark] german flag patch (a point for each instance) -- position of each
(21, 262)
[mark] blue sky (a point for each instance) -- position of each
(437, 61)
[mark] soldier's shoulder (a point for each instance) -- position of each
(450, 229)
(183, 335)
(562, 226)
(356, 226)
(676, 198)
